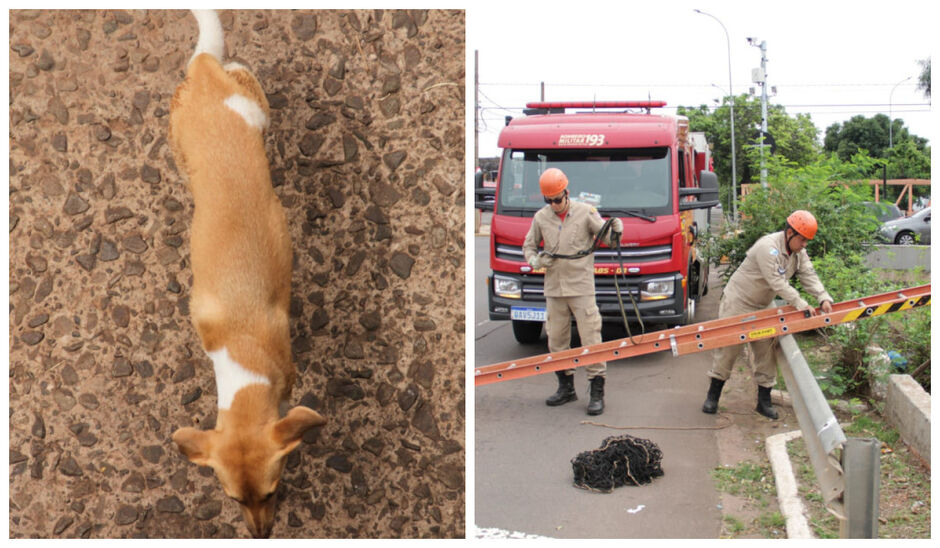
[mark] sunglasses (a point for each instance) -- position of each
(557, 200)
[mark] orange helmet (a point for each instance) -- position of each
(552, 182)
(803, 223)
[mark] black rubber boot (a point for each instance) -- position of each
(565, 391)
(764, 405)
(596, 405)
(714, 392)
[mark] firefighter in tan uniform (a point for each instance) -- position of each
(765, 273)
(566, 228)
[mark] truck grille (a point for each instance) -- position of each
(631, 255)
(604, 289)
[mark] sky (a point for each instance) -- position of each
(830, 59)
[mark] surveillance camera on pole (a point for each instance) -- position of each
(759, 76)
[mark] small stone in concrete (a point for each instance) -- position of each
(171, 504)
(125, 515)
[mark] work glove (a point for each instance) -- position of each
(617, 225)
(806, 308)
(616, 230)
(540, 261)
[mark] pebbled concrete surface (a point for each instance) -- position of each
(366, 147)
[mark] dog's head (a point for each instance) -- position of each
(249, 461)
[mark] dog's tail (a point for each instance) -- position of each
(211, 37)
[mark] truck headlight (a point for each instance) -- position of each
(657, 290)
(508, 288)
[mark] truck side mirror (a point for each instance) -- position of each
(709, 183)
(707, 193)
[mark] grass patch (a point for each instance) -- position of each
(904, 490)
(746, 479)
(734, 525)
(753, 482)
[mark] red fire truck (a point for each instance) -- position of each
(645, 168)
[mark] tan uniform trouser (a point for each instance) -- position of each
(763, 363)
(558, 326)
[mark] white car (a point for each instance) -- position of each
(908, 230)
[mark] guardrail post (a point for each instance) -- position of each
(860, 460)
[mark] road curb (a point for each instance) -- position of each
(788, 498)
(908, 409)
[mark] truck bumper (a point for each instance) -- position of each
(670, 311)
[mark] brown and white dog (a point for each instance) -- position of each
(241, 260)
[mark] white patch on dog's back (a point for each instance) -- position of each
(234, 66)
(230, 376)
(247, 109)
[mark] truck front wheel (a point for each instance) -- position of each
(527, 332)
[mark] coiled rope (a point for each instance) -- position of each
(620, 460)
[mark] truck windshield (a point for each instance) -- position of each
(609, 179)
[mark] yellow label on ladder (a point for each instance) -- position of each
(761, 333)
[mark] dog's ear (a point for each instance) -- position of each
(287, 431)
(194, 444)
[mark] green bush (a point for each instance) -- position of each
(907, 332)
(910, 336)
(848, 278)
(845, 226)
(826, 189)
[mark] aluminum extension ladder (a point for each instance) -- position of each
(768, 323)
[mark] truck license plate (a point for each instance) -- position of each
(531, 314)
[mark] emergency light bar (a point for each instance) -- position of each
(596, 104)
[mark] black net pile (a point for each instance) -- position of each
(620, 460)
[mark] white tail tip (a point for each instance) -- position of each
(211, 37)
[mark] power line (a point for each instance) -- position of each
(872, 107)
(687, 85)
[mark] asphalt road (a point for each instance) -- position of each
(523, 448)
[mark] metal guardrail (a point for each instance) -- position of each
(847, 470)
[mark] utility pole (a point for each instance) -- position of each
(761, 78)
(476, 109)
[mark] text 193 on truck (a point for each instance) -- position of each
(645, 168)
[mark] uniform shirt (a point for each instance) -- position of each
(565, 277)
(766, 272)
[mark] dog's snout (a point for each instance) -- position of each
(259, 519)
(263, 532)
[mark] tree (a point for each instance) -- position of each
(871, 134)
(909, 161)
(858, 133)
(924, 79)
(795, 139)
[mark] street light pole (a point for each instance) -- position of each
(890, 121)
(734, 163)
